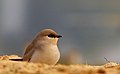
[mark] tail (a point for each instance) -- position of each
(16, 59)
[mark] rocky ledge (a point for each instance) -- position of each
(18, 67)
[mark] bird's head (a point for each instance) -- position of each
(49, 36)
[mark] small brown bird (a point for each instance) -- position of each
(43, 48)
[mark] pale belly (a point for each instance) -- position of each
(48, 56)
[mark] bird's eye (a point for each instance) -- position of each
(52, 36)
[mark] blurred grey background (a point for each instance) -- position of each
(91, 27)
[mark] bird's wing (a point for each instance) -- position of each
(28, 52)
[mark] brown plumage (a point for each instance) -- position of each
(43, 48)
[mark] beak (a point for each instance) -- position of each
(59, 36)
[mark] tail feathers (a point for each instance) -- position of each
(16, 59)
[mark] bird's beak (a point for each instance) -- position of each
(59, 36)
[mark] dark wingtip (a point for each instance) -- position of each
(16, 59)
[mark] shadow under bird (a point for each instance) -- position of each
(43, 48)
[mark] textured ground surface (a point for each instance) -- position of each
(13, 67)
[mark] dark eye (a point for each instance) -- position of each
(51, 35)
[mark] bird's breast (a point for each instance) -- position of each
(47, 55)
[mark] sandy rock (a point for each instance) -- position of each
(19, 67)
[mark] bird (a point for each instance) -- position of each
(43, 48)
